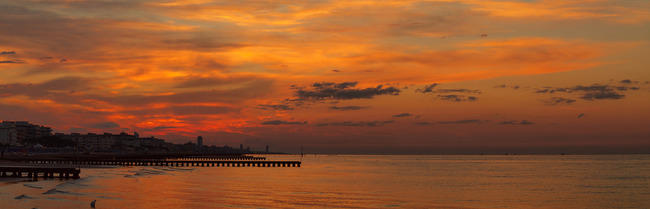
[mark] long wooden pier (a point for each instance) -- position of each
(160, 160)
(33, 172)
(202, 163)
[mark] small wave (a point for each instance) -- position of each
(107, 197)
(56, 191)
(53, 191)
(33, 186)
(181, 169)
(23, 196)
(77, 182)
(163, 169)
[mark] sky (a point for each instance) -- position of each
(336, 76)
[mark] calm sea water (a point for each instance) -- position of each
(597, 181)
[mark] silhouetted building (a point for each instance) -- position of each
(16, 132)
(199, 141)
(267, 148)
(109, 141)
(8, 134)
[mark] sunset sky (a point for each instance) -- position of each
(367, 76)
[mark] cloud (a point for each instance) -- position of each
(103, 125)
(198, 110)
(515, 87)
(12, 62)
(232, 80)
(182, 110)
(551, 90)
(275, 107)
(282, 122)
(443, 94)
(460, 121)
(424, 123)
(602, 95)
(457, 98)
(164, 127)
(592, 92)
(342, 91)
(359, 123)
(427, 88)
(402, 115)
(581, 115)
(559, 101)
(515, 122)
(444, 91)
(344, 108)
(9, 52)
(60, 89)
(626, 81)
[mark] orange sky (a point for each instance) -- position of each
(335, 76)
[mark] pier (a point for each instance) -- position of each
(201, 163)
(161, 160)
(33, 172)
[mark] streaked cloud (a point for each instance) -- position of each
(461, 121)
(356, 123)
(402, 115)
(515, 122)
(282, 122)
(344, 108)
(342, 91)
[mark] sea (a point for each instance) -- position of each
(355, 181)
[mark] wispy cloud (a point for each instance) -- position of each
(559, 101)
(358, 123)
(592, 92)
(282, 122)
(461, 121)
(402, 115)
(344, 108)
(427, 88)
(342, 91)
(11, 61)
(275, 107)
(515, 122)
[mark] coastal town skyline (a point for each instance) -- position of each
(365, 77)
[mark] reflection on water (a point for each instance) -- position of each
(601, 181)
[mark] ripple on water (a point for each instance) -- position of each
(24, 196)
(56, 191)
(33, 186)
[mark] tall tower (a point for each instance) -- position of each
(267, 148)
(199, 141)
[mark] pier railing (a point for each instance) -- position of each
(162, 160)
(33, 172)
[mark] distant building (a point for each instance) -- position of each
(199, 141)
(267, 148)
(16, 132)
(108, 141)
(8, 134)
